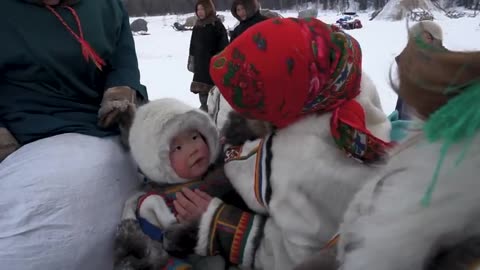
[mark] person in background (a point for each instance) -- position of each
(209, 37)
(247, 12)
(69, 84)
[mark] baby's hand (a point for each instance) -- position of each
(190, 205)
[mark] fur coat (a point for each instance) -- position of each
(387, 227)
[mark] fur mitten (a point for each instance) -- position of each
(118, 108)
(238, 129)
(191, 63)
(134, 250)
(8, 143)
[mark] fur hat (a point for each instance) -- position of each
(426, 26)
(154, 126)
(251, 7)
(318, 71)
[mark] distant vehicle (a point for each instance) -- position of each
(349, 21)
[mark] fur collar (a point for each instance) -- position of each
(209, 20)
(251, 7)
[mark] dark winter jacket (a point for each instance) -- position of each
(47, 87)
(253, 16)
(207, 40)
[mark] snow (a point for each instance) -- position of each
(163, 54)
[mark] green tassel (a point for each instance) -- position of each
(457, 121)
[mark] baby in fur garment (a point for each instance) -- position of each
(175, 147)
(329, 135)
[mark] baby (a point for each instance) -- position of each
(175, 147)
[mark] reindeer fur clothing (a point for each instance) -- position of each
(387, 227)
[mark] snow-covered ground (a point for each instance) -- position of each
(163, 54)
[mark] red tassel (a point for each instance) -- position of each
(90, 54)
(87, 51)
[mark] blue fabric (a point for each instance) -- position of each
(399, 127)
(149, 229)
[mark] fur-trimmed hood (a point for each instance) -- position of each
(251, 6)
(154, 126)
(210, 12)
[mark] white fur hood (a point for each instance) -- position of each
(155, 124)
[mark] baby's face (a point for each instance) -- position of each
(189, 155)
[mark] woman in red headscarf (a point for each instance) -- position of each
(329, 132)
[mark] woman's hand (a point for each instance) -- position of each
(190, 205)
(8, 143)
(118, 108)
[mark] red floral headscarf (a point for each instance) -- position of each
(283, 69)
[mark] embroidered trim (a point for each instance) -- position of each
(213, 230)
(268, 167)
(239, 240)
(258, 184)
(233, 153)
(240, 157)
(234, 234)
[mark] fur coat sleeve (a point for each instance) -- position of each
(387, 227)
(300, 179)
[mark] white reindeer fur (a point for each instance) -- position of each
(426, 26)
(312, 183)
(203, 234)
(386, 227)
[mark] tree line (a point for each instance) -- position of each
(161, 7)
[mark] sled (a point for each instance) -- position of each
(349, 23)
(141, 33)
(181, 27)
